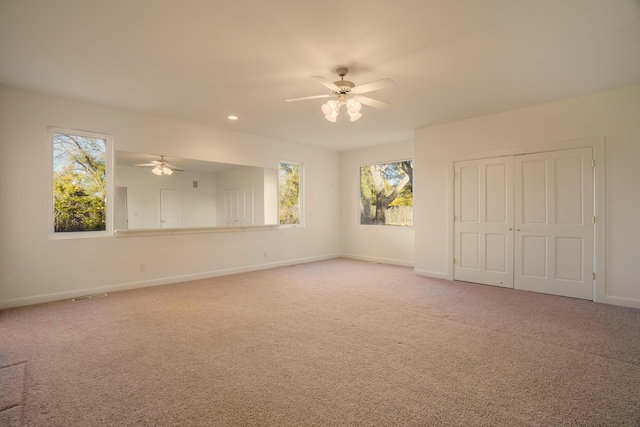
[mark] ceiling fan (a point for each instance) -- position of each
(347, 93)
(160, 166)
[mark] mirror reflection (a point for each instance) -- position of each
(154, 191)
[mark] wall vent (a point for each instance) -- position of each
(89, 297)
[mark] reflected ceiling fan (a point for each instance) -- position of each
(160, 166)
(347, 93)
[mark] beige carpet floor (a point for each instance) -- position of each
(332, 343)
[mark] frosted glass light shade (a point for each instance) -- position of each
(354, 106)
(326, 109)
(354, 116)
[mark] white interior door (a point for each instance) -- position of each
(554, 223)
(169, 208)
(483, 221)
(238, 207)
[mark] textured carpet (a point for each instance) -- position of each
(332, 343)
(12, 380)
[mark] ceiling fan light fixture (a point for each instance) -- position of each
(160, 167)
(347, 93)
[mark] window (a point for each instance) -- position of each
(289, 193)
(386, 194)
(81, 183)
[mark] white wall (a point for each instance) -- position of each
(615, 115)
(197, 205)
(392, 245)
(34, 268)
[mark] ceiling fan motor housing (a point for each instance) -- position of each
(344, 85)
(345, 91)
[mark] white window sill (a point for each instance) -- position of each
(191, 230)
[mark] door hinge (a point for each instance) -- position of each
(454, 261)
(593, 219)
(593, 163)
(594, 276)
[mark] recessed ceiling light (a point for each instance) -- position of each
(232, 117)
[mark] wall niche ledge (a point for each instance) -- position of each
(192, 230)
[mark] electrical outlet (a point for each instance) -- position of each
(141, 267)
(264, 254)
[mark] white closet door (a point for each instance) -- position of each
(553, 223)
(238, 207)
(483, 221)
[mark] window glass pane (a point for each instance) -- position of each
(386, 194)
(79, 183)
(289, 183)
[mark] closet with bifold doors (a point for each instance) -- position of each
(526, 222)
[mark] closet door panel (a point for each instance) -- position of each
(553, 223)
(483, 243)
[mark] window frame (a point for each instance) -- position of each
(301, 180)
(109, 185)
(359, 194)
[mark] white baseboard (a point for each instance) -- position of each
(58, 296)
(379, 260)
(624, 302)
(433, 274)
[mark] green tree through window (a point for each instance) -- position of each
(79, 183)
(289, 189)
(386, 193)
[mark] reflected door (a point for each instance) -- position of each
(238, 207)
(553, 222)
(169, 208)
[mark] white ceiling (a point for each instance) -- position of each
(201, 60)
(128, 158)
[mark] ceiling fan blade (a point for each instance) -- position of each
(308, 97)
(175, 168)
(370, 87)
(371, 102)
(328, 83)
(145, 164)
